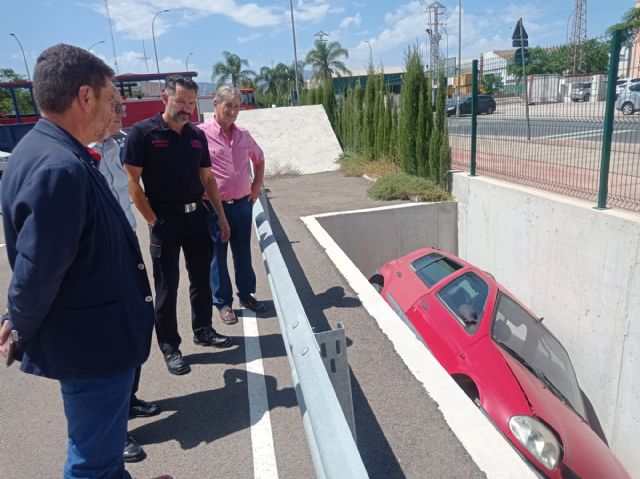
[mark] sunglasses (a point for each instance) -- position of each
(119, 108)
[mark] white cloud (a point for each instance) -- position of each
(351, 21)
(134, 17)
(250, 37)
(312, 11)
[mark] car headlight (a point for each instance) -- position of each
(537, 439)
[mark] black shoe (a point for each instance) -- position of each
(140, 408)
(176, 363)
(207, 336)
(251, 303)
(133, 452)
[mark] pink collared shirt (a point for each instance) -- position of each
(230, 159)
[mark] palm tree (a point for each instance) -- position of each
(231, 69)
(630, 26)
(325, 60)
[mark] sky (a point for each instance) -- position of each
(198, 31)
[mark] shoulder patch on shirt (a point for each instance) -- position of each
(196, 144)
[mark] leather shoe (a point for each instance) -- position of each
(176, 363)
(207, 336)
(133, 452)
(252, 303)
(140, 408)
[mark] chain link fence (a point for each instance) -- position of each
(553, 140)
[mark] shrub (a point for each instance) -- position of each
(400, 186)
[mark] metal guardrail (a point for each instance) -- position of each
(331, 441)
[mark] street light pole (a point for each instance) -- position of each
(153, 34)
(370, 53)
(96, 43)
(187, 61)
(459, 62)
(295, 54)
(23, 55)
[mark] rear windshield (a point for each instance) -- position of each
(433, 267)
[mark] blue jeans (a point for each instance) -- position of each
(97, 411)
(239, 216)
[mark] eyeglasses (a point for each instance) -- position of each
(119, 108)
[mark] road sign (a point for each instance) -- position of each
(519, 54)
(520, 37)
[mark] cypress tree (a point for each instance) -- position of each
(422, 154)
(357, 117)
(329, 101)
(388, 124)
(368, 120)
(445, 157)
(380, 124)
(393, 141)
(409, 99)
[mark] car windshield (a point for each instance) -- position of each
(579, 86)
(526, 340)
(432, 267)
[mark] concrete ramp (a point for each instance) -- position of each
(295, 140)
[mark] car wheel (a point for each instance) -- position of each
(377, 281)
(490, 109)
(587, 97)
(627, 108)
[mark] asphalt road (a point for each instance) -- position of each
(625, 130)
(215, 421)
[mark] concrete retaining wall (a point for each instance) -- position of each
(295, 140)
(372, 237)
(577, 267)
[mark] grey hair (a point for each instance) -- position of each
(226, 91)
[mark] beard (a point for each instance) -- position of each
(179, 116)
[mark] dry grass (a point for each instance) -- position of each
(358, 165)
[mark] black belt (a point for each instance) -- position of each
(230, 202)
(176, 207)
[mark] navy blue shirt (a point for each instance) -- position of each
(79, 296)
(170, 161)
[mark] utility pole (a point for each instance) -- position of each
(459, 62)
(295, 54)
(578, 34)
(113, 42)
(434, 10)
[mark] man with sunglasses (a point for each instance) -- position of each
(80, 309)
(107, 154)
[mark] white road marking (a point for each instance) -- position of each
(487, 447)
(575, 134)
(264, 457)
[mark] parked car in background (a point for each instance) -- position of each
(503, 357)
(623, 83)
(628, 101)
(581, 91)
(4, 158)
(486, 104)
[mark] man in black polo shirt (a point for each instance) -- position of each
(172, 159)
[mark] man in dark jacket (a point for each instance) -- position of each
(79, 301)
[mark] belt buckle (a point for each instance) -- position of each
(229, 202)
(190, 207)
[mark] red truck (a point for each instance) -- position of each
(19, 112)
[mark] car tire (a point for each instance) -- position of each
(587, 97)
(627, 108)
(490, 110)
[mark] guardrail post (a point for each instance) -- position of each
(333, 351)
(607, 134)
(474, 115)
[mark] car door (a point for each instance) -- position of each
(449, 317)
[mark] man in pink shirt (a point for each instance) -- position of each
(233, 150)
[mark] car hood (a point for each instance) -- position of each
(584, 452)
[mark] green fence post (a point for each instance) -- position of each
(474, 115)
(607, 134)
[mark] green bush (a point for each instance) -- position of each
(400, 186)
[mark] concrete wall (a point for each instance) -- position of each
(372, 237)
(295, 140)
(577, 267)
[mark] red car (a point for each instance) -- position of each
(503, 357)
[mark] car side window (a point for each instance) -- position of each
(635, 87)
(466, 297)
